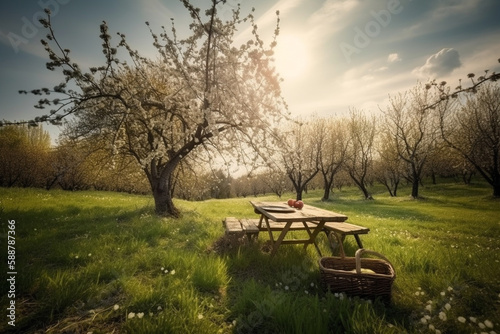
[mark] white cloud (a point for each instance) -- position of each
(393, 57)
(440, 64)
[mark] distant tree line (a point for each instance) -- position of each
(407, 144)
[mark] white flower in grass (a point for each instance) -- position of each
(431, 327)
(461, 319)
(481, 325)
(172, 272)
(76, 256)
(447, 307)
(443, 293)
(286, 287)
(473, 319)
(159, 308)
(442, 316)
(450, 288)
(165, 271)
(423, 320)
(306, 292)
(488, 324)
(428, 307)
(90, 254)
(200, 316)
(116, 307)
(438, 331)
(162, 268)
(131, 315)
(140, 315)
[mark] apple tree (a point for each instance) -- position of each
(202, 93)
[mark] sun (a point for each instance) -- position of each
(291, 56)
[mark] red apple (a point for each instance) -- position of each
(291, 202)
(298, 205)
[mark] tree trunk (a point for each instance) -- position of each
(496, 186)
(164, 205)
(327, 184)
(162, 184)
(414, 188)
(326, 194)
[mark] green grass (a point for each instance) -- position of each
(102, 262)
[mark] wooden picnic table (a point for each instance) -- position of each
(278, 216)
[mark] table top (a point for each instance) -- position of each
(281, 212)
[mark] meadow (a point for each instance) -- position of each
(103, 262)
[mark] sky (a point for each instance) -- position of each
(334, 55)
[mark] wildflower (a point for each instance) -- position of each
(428, 307)
(442, 293)
(166, 271)
(159, 308)
(116, 307)
(162, 268)
(76, 256)
(431, 327)
(447, 306)
(140, 315)
(423, 320)
(461, 319)
(312, 285)
(131, 315)
(450, 288)
(481, 325)
(286, 287)
(488, 324)
(442, 316)
(306, 292)
(473, 319)
(172, 272)
(90, 254)
(200, 316)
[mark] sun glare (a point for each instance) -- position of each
(291, 56)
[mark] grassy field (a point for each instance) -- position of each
(102, 262)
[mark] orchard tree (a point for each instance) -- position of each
(359, 158)
(201, 92)
(300, 152)
(473, 130)
(333, 147)
(414, 130)
(388, 167)
(24, 156)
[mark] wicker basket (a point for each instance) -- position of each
(356, 276)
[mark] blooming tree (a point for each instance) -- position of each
(202, 92)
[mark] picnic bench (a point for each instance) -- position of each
(251, 227)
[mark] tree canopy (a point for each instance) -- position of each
(202, 92)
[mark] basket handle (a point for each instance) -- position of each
(360, 251)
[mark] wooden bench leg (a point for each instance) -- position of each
(358, 240)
